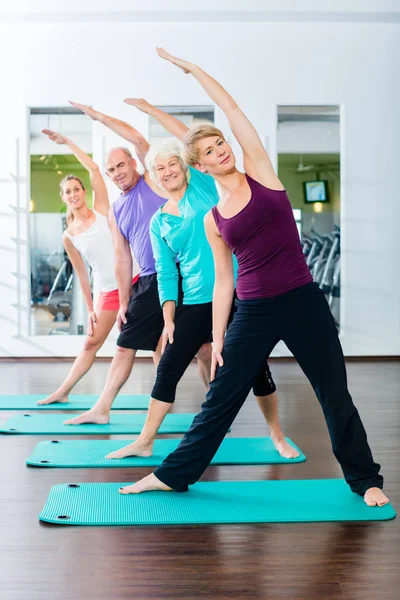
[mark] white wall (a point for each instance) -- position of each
(262, 65)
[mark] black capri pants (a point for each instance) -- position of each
(193, 328)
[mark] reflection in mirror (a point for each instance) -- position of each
(57, 306)
(309, 167)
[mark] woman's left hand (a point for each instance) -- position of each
(54, 136)
(186, 66)
(140, 104)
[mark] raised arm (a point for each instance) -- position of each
(256, 160)
(223, 288)
(100, 195)
(123, 267)
(80, 269)
(173, 125)
(127, 132)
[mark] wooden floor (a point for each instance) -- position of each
(272, 561)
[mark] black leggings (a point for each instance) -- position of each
(193, 326)
(302, 319)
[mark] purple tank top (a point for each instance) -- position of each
(265, 240)
(133, 212)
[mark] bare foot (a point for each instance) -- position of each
(94, 415)
(375, 497)
(284, 448)
(136, 448)
(53, 398)
(147, 484)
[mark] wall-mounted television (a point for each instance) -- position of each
(316, 191)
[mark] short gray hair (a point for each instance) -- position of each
(166, 149)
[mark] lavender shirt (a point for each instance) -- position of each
(133, 212)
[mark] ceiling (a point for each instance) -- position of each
(184, 11)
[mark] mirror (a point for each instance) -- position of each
(308, 143)
(57, 306)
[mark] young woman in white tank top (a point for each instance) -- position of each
(88, 237)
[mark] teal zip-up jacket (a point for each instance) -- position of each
(183, 239)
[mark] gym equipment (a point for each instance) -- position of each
(323, 258)
(59, 302)
(92, 453)
(211, 502)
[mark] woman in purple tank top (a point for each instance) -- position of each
(277, 300)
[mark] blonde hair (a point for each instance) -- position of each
(168, 148)
(70, 177)
(190, 150)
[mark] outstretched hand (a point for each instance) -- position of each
(88, 110)
(139, 103)
(186, 66)
(54, 136)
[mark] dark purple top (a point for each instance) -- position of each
(265, 240)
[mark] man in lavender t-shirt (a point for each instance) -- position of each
(140, 317)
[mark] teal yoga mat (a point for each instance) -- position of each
(91, 453)
(77, 402)
(211, 502)
(120, 423)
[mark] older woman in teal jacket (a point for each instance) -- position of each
(181, 250)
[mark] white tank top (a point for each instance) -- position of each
(96, 247)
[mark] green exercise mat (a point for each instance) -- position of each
(77, 402)
(211, 502)
(119, 423)
(91, 453)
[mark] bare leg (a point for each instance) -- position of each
(204, 363)
(120, 369)
(85, 358)
(269, 408)
(143, 446)
(373, 497)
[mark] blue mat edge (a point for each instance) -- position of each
(73, 405)
(392, 516)
(74, 429)
(113, 465)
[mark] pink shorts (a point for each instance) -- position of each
(110, 300)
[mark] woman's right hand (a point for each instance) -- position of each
(92, 322)
(167, 335)
(54, 136)
(216, 357)
(140, 104)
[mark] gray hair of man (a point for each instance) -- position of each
(168, 148)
